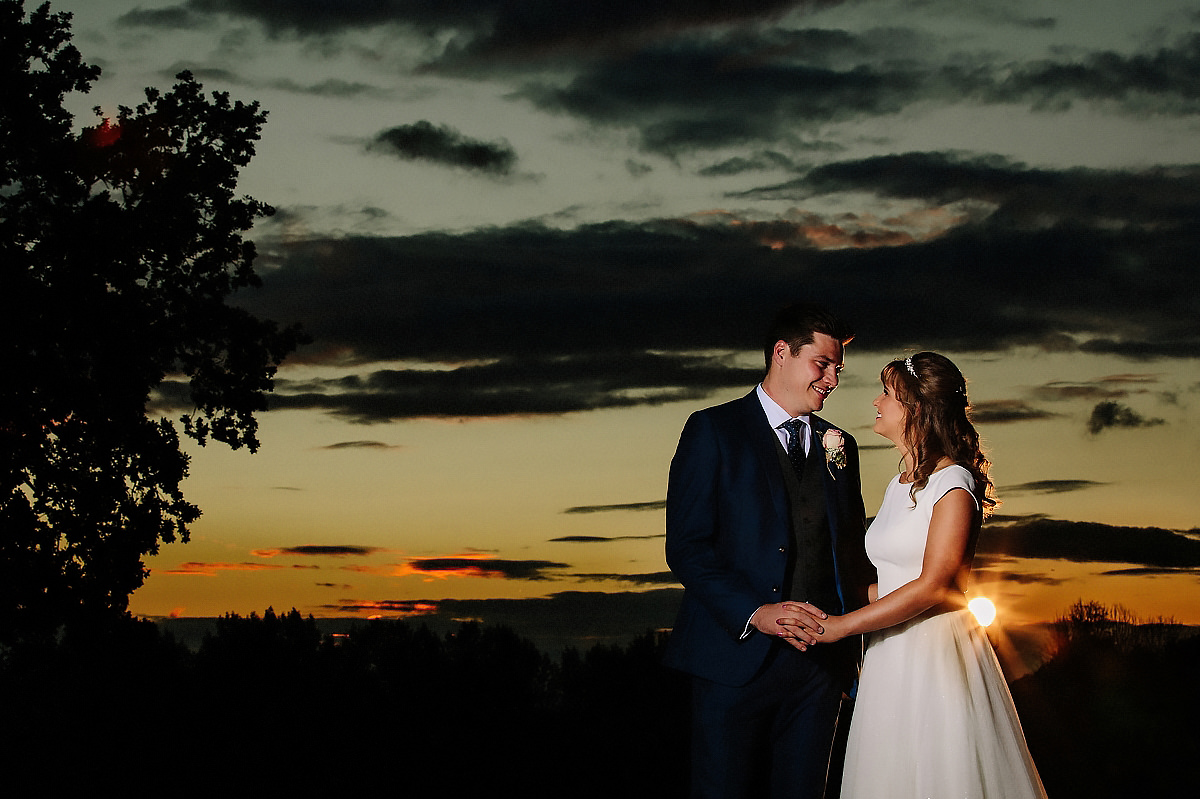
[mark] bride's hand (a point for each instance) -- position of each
(833, 628)
(795, 623)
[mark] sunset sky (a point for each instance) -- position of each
(528, 239)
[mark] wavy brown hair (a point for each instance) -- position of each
(937, 421)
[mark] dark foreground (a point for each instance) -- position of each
(270, 704)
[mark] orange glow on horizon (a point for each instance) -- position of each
(193, 568)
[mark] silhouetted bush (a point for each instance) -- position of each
(270, 703)
(1113, 713)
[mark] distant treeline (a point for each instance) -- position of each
(269, 702)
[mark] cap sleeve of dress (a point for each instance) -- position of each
(946, 480)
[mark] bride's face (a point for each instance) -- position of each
(889, 416)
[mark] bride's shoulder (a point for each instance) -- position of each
(953, 473)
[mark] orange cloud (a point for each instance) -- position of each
(194, 568)
(405, 608)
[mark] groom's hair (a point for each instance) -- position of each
(797, 323)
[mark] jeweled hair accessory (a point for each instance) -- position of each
(908, 365)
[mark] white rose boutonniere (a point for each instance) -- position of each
(835, 450)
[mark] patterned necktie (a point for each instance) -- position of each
(796, 430)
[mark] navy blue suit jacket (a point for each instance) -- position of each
(728, 534)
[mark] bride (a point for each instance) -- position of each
(933, 718)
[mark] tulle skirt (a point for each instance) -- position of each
(934, 718)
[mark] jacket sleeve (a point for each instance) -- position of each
(697, 531)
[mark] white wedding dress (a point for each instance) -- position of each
(933, 718)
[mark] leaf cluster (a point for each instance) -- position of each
(120, 248)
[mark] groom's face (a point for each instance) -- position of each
(806, 379)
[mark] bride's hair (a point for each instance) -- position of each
(937, 420)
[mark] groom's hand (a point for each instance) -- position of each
(797, 623)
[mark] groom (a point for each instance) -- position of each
(765, 531)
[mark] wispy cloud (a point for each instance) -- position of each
(653, 578)
(210, 569)
(602, 539)
(1153, 571)
(379, 445)
(621, 506)
(1050, 486)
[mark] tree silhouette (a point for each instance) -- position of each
(119, 248)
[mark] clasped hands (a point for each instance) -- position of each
(800, 624)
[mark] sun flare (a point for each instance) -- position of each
(984, 610)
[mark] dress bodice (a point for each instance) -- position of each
(896, 538)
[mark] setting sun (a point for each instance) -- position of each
(984, 610)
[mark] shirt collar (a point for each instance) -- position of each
(776, 415)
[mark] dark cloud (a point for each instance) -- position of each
(531, 385)
(1167, 80)
(441, 144)
(1148, 571)
(487, 567)
(359, 445)
(698, 94)
(654, 578)
(500, 30)
(695, 93)
(1110, 414)
(1000, 411)
(530, 320)
(694, 76)
(655, 505)
(1050, 486)
(1085, 542)
(602, 539)
(1023, 196)
(322, 550)
(547, 29)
